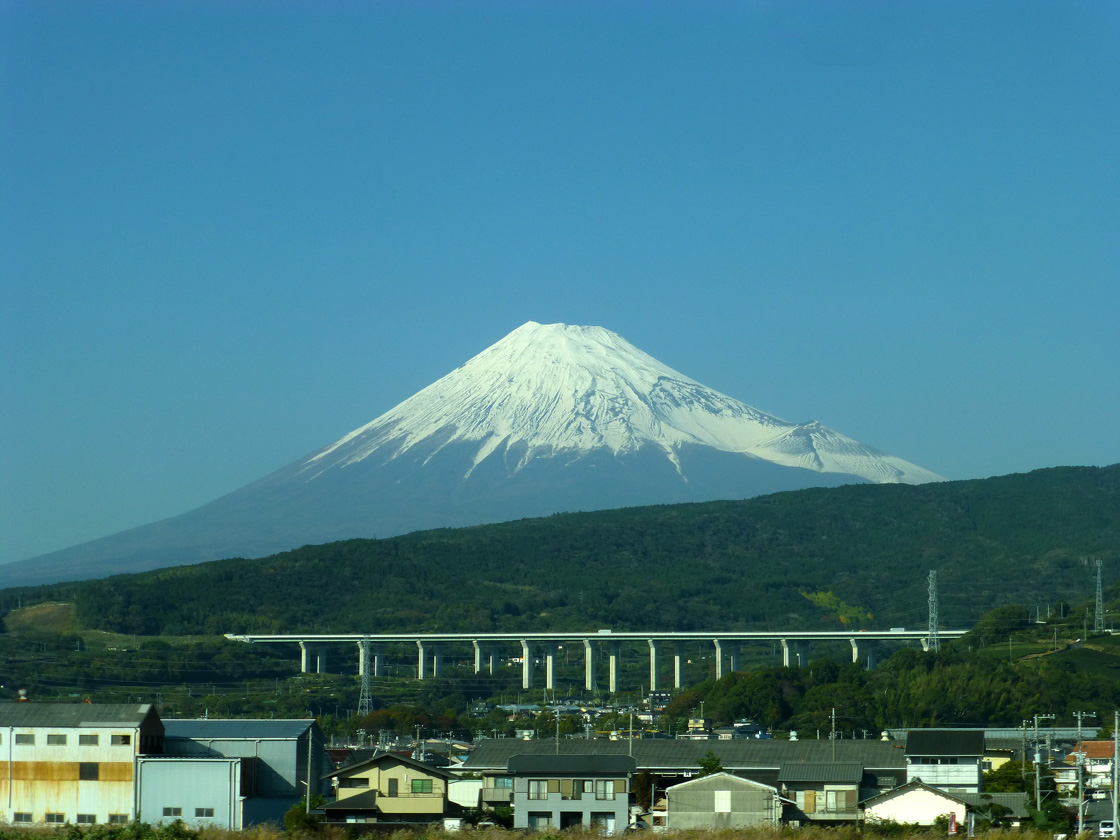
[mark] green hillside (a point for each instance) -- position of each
(1028, 539)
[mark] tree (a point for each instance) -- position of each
(297, 817)
(710, 764)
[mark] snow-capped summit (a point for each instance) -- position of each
(547, 389)
(551, 418)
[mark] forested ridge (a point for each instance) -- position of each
(808, 559)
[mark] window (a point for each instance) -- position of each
(356, 782)
(723, 801)
(86, 819)
(503, 782)
(538, 789)
(20, 816)
(87, 740)
(393, 783)
(25, 738)
(604, 788)
(540, 819)
(56, 819)
(421, 785)
(56, 740)
(205, 813)
(121, 740)
(173, 812)
(118, 818)
(986, 765)
(88, 771)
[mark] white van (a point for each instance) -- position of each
(1107, 828)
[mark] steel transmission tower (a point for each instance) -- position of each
(365, 704)
(1098, 618)
(932, 642)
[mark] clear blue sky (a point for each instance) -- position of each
(231, 232)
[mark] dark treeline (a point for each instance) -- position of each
(858, 555)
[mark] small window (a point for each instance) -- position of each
(56, 740)
(89, 771)
(356, 782)
(538, 788)
(21, 816)
(27, 739)
(116, 819)
(503, 782)
(205, 813)
(87, 740)
(173, 812)
(421, 785)
(604, 788)
(723, 801)
(56, 819)
(121, 740)
(86, 819)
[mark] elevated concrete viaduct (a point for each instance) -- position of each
(795, 648)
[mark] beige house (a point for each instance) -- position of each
(390, 788)
(915, 803)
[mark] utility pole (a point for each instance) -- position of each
(1081, 768)
(834, 733)
(1115, 765)
(1038, 763)
(932, 642)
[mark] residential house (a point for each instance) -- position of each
(822, 792)
(721, 800)
(389, 788)
(73, 762)
(1096, 762)
(670, 761)
(564, 791)
(949, 759)
(917, 803)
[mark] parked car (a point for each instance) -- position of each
(1106, 828)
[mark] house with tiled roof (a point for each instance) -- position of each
(1096, 761)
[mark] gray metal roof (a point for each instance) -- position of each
(832, 772)
(682, 755)
(945, 742)
(588, 763)
(209, 729)
(64, 715)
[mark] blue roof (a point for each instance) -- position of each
(202, 729)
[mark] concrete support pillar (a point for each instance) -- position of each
(378, 660)
(550, 666)
(526, 664)
(422, 660)
(925, 645)
(477, 656)
(588, 665)
(865, 650)
(615, 649)
(493, 662)
(795, 653)
(306, 658)
(437, 660)
(733, 658)
(677, 670)
(652, 665)
(719, 658)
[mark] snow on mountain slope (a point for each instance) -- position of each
(544, 390)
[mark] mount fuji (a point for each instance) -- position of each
(551, 418)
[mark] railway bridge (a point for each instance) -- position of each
(795, 648)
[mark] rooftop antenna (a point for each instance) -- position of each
(932, 642)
